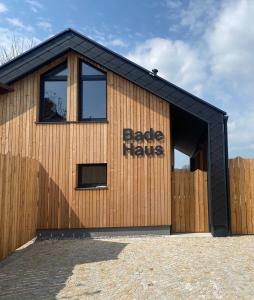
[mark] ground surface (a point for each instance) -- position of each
(132, 268)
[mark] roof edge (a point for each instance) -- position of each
(35, 47)
(72, 31)
(146, 70)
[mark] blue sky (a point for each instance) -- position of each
(204, 46)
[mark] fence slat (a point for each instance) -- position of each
(241, 176)
(18, 202)
(189, 201)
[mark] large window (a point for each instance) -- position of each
(92, 175)
(54, 95)
(93, 91)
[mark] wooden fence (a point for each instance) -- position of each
(242, 195)
(18, 202)
(190, 205)
(189, 201)
(19, 197)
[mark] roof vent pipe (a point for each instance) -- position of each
(154, 72)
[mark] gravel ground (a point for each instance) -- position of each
(132, 268)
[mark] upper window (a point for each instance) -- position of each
(53, 104)
(93, 91)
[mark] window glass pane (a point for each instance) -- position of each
(94, 99)
(54, 102)
(88, 70)
(58, 71)
(93, 175)
(64, 72)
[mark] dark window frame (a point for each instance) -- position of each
(91, 186)
(80, 94)
(49, 77)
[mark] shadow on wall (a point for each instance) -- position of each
(54, 211)
(41, 270)
(30, 200)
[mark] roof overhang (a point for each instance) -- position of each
(4, 88)
(187, 131)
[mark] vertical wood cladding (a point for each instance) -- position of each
(18, 202)
(139, 189)
(189, 201)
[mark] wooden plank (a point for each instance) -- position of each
(18, 218)
(241, 195)
(189, 201)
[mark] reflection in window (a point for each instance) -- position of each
(93, 85)
(53, 106)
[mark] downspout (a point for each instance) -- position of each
(227, 171)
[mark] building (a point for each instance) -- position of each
(103, 130)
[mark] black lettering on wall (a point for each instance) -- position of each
(159, 150)
(149, 135)
(128, 134)
(127, 149)
(149, 151)
(139, 136)
(139, 151)
(159, 135)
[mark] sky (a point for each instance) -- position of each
(203, 46)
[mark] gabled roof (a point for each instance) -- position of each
(70, 39)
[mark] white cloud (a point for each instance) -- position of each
(104, 37)
(193, 16)
(175, 60)
(19, 24)
(231, 43)
(35, 6)
(3, 7)
(45, 25)
(118, 42)
(173, 3)
(219, 66)
(199, 14)
(241, 133)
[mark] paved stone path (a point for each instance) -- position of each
(132, 268)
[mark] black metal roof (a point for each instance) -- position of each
(70, 39)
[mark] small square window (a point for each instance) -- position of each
(92, 175)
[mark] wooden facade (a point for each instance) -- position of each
(139, 189)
